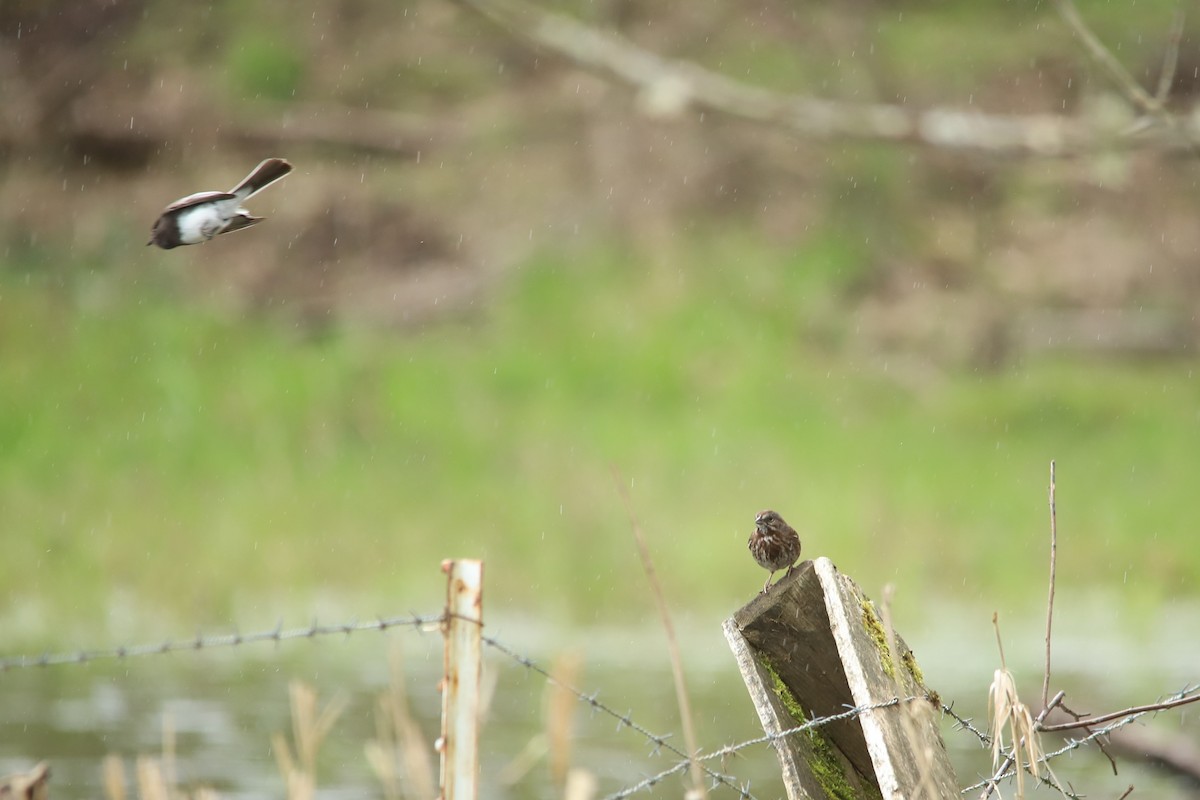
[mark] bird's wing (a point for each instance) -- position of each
(198, 198)
(241, 220)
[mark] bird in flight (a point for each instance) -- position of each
(199, 217)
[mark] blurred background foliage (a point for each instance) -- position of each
(493, 278)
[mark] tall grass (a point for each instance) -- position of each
(210, 467)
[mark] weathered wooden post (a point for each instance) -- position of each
(463, 629)
(814, 646)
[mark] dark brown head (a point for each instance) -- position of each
(766, 520)
(165, 232)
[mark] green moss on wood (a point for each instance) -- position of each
(910, 663)
(874, 628)
(783, 692)
(826, 767)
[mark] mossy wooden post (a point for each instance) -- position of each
(814, 646)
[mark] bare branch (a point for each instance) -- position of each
(1050, 601)
(1083, 723)
(1153, 106)
(1170, 63)
(669, 87)
(1120, 76)
(1174, 751)
(1099, 741)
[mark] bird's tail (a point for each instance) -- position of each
(263, 176)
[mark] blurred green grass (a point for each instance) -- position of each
(214, 469)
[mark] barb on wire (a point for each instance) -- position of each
(767, 738)
(653, 780)
(811, 724)
(1075, 744)
(1099, 742)
(623, 720)
(201, 642)
(966, 724)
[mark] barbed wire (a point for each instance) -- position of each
(1075, 744)
(728, 750)
(966, 724)
(201, 642)
(623, 720)
(771, 738)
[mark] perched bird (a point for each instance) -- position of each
(774, 544)
(201, 216)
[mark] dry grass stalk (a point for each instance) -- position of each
(1007, 713)
(156, 778)
(554, 741)
(581, 785)
(29, 785)
(697, 790)
(560, 711)
(114, 778)
(309, 729)
(523, 762)
(151, 781)
(400, 755)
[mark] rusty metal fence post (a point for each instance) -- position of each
(459, 743)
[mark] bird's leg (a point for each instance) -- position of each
(767, 585)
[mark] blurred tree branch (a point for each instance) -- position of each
(668, 87)
(1153, 106)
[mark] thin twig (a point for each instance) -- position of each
(1167, 76)
(1128, 84)
(1050, 600)
(1099, 742)
(1075, 744)
(999, 642)
(681, 693)
(1170, 748)
(1154, 106)
(1083, 723)
(1126, 793)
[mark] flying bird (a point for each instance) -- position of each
(199, 217)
